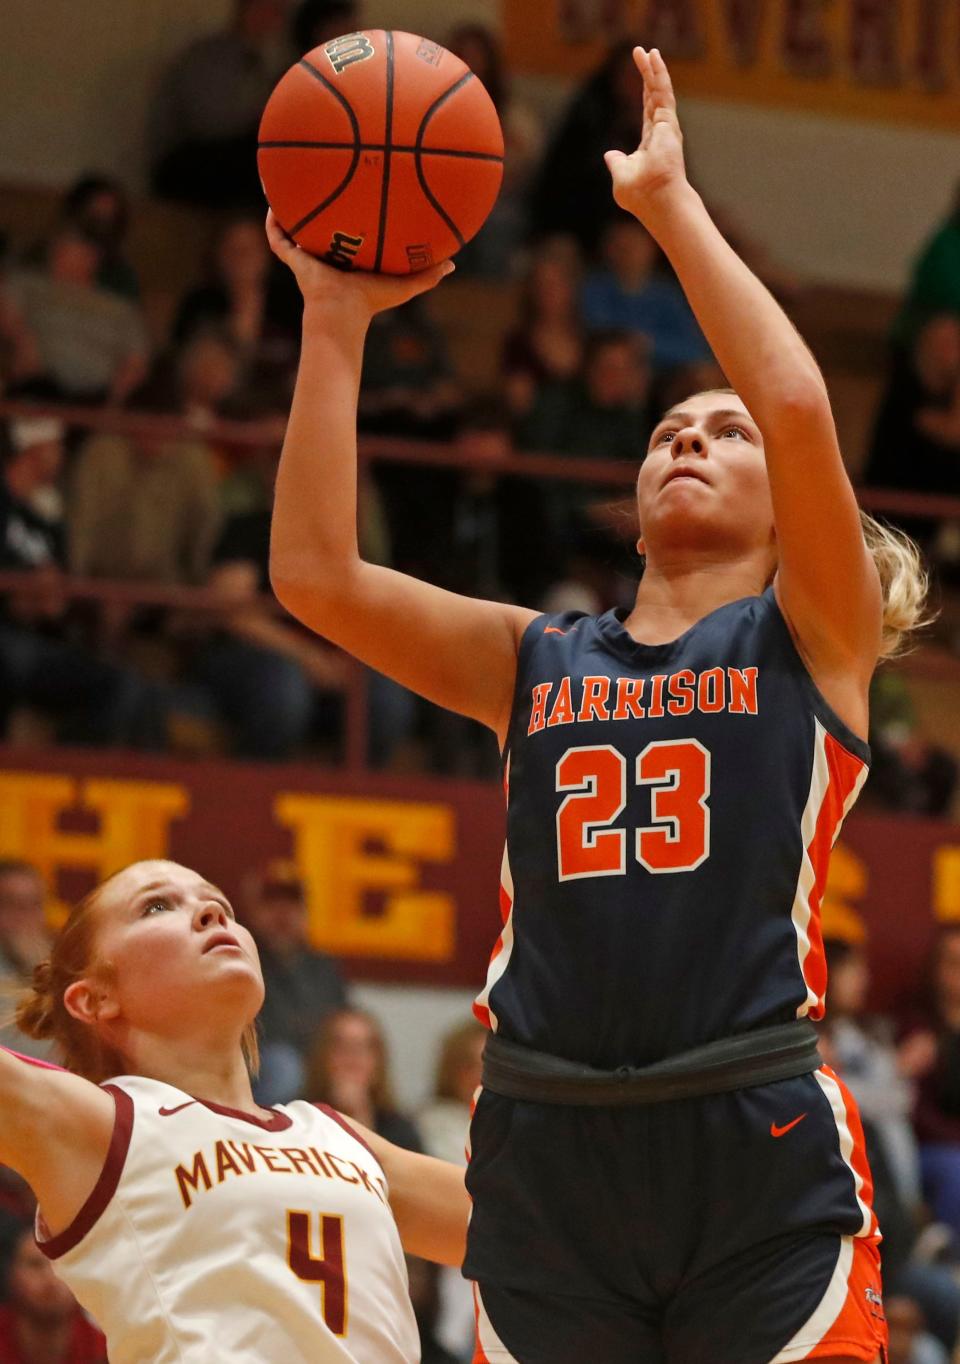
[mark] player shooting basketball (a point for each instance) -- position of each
(661, 1169)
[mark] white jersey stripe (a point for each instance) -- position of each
(800, 911)
(500, 959)
(813, 1330)
(492, 1348)
(835, 1098)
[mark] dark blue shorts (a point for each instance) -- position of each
(731, 1229)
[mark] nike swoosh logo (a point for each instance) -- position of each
(776, 1131)
(553, 630)
(169, 1112)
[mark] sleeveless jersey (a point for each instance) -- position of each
(670, 814)
(214, 1235)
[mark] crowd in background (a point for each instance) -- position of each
(602, 339)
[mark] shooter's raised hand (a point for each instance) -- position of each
(645, 178)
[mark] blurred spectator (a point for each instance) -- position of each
(203, 122)
(97, 207)
(492, 252)
(444, 1124)
(916, 435)
(19, 356)
(910, 1343)
(24, 941)
(935, 283)
(628, 293)
(303, 986)
(254, 301)
(146, 508)
(572, 191)
(89, 343)
(348, 1070)
(605, 414)
(423, 1279)
(271, 679)
(94, 701)
(41, 1321)
(909, 773)
(408, 387)
(315, 22)
(864, 1053)
(547, 346)
(934, 1043)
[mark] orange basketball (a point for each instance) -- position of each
(380, 151)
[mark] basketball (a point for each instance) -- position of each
(380, 151)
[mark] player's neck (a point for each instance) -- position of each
(207, 1068)
(672, 597)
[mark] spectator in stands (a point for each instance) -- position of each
(408, 386)
(303, 986)
(547, 345)
(572, 193)
(909, 772)
(910, 1342)
(493, 252)
(935, 1037)
(19, 356)
(444, 1124)
(348, 1069)
(89, 343)
(424, 1279)
(272, 681)
(41, 1321)
(253, 301)
(203, 123)
(934, 288)
(24, 941)
(916, 435)
(94, 701)
(628, 293)
(864, 1053)
(97, 207)
(444, 1121)
(146, 507)
(606, 414)
(315, 22)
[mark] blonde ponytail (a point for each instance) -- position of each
(904, 582)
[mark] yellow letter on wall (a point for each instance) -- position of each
(135, 819)
(332, 847)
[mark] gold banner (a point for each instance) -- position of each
(894, 60)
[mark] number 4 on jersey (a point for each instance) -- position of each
(678, 839)
(327, 1269)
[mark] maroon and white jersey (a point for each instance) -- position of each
(216, 1235)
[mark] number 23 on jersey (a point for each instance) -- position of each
(595, 778)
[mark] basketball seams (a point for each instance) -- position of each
(418, 154)
(351, 171)
(387, 154)
(396, 149)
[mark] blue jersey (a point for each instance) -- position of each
(670, 814)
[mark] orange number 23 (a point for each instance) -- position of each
(595, 778)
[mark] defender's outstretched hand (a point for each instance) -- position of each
(345, 291)
(646, 176)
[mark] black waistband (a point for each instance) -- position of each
(753, 1058)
